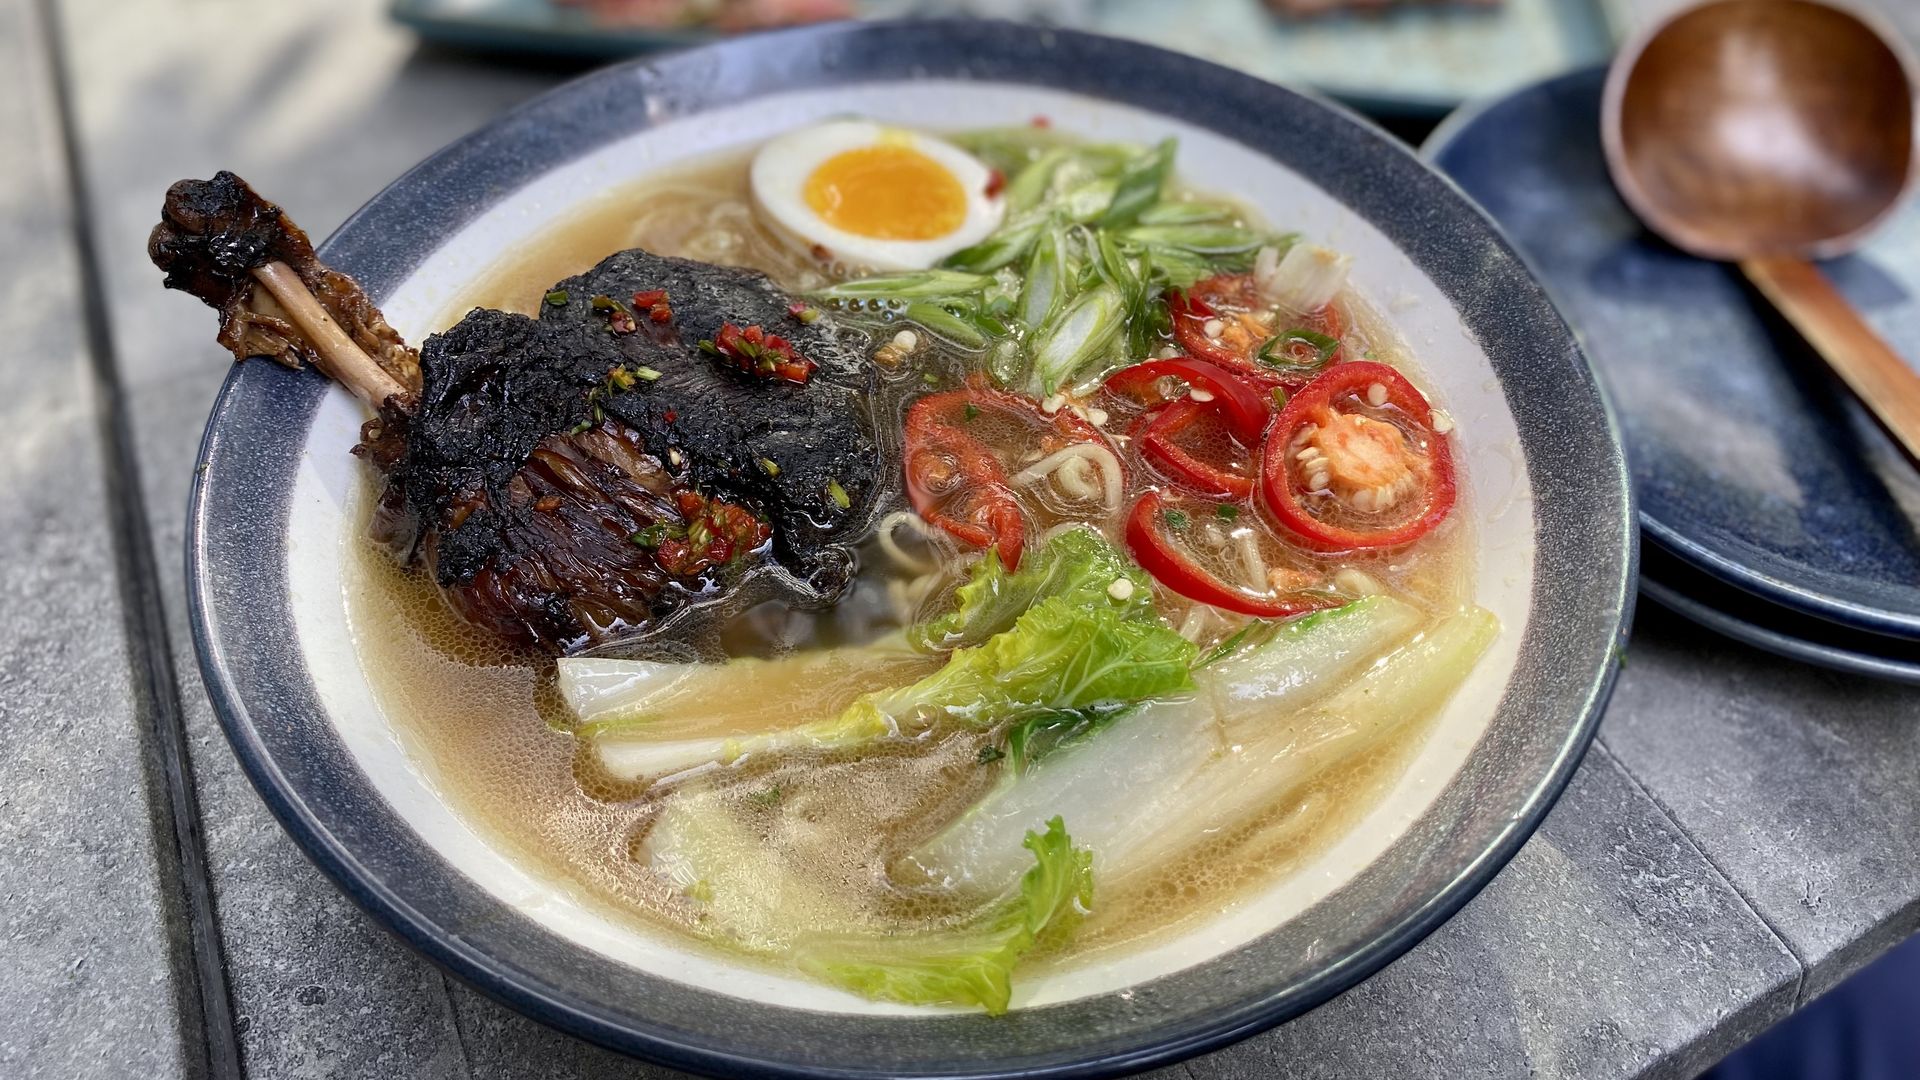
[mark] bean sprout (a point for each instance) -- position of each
(1356, 582)
(1112, 479)
(1075, 477)
(1195, 625)
(905, 597)
(1250, 555)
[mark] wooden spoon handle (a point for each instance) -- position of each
(1877, 374)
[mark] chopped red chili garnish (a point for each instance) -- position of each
(654, 303)
(717, 532)
(757, 352)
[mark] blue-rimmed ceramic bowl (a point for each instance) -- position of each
(1543, 479)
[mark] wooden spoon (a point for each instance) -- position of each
(1769, 133)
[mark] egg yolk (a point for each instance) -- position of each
(887, 191)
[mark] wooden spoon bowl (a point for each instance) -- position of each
(1773, 132)
(1762, 127)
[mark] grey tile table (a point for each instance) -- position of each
(1744, 835)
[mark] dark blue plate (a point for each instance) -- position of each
(262, 666)
(1750, 460)
(1746, 618)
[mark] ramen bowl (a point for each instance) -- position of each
(275, 506)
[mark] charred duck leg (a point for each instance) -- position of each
(218, 239)
(664, 431)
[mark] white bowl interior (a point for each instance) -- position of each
(1494, 483)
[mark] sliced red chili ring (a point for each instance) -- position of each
(1147, 539)
(1158, 445)
(1244, 407)
(979, 508)
(1224, 295)
(1283, 486)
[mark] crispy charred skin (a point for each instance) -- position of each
(499, 386)
(212, 237)
(570, 479)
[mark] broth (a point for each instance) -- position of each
(489, 728)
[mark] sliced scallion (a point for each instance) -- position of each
(1276, 352)
(1082, 334)
(923, 285)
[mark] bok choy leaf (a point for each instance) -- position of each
(646, 718)
(969, 964)
(1060, 655)
(1078, 564)
(1166, 759)
(1073, 649)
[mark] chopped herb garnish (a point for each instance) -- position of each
(645, 374)
(1279, 397)
(770, 468)
(1176, 519)
(619, 319)
(1227, 512)
(930, 379)
(656, 534)
(766, 798)
(839, 495)
(558, 298)
(972, 410)
(1284, 351)
(990, 754)
(583, 425)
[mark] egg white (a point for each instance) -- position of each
(778, 178)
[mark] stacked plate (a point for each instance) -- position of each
(1775, 510)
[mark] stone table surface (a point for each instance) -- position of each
(1745, 833)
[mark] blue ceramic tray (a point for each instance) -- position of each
(1409, 63)
(1751, 462)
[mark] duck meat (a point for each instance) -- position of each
(662, 433)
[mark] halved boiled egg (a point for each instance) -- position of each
(872, 196)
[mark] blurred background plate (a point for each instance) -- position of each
(1751, 462)
(1419, 62)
